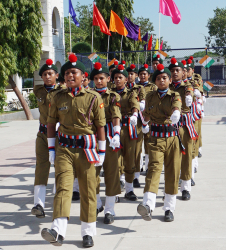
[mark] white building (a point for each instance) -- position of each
(53, 35)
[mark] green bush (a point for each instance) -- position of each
(2, 99)
(81, 47)
(33, 101)
(28, 84)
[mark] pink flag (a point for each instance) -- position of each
(169, 8)
(161, 45)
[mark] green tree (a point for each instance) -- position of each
(81, 47)
(20, 43)
(217, 31)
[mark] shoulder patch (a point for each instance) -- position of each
(101, 105)
(118, 104)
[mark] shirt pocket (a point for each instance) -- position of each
(83, 116)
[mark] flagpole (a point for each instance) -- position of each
(92, 39)
(108, 48)
(121, 49)
(70, 30)
(159, 27)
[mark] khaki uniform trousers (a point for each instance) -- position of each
(167, 151)
(111, 176)
(138, 145)
(146, 141)
(186, 160)
(128, 154)
(68, 162)
(42, 160)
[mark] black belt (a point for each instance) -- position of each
(43, 130)
(75, 143)
(125, 120)
(163, 129)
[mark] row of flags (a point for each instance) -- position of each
(128, 28)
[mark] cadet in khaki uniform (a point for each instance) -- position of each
(144, 75)
(139, 90)
(187, 130)
(100, 75)
(81, 116)
(129, 109)
(86, 80)
(156, 60)
(110, 84)
(162, 108)
(49, 74)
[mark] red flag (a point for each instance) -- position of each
(161, 45)
(98, 20)
(150, 43)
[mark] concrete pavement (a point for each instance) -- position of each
(199, 223)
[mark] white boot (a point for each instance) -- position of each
(88, 228)
(109, 205)
(170, 202)
(150, 200)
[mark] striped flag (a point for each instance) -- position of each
(93, 57)
(207, 85)
(112, 61)
(206, 61)
(162, 54)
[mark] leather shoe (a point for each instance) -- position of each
(169, 216)
(136, 183)
(87, 241)
(75, 196)
(108, 218)
(185, 195)
(52, 236)
(38, 211)
(199, 155)
(144, 211)
(117, 199)
(131, 196)
(122, 184)
(99, 210)
(192, 182)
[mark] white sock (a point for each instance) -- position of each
(109, 205)
(193, 169)
(137, 175)
(75, 185)
(200, 150)
(146, 161)
(99, 202)
(39, 195)
(88, 228)
(141, 160)
(122, 178)
(196, 163)
(60, 225)
(170, 202)
(150, 200)
(185, 185)
(128, 187)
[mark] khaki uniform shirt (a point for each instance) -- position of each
(111, 85)
(128, 101)
(140, 91)
(149, 87)
(43, 99)
(112, 105)
(75, 114)
(183, 90)
(159, 110)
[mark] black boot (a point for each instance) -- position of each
(131, 196)
(52, 237)
(136, 183)
(75, 196)
(199, 155)
(192, 182)
(99, 210)
(185, 195)
(108, 218)
(117, 199)
(144, 211)
(169, 216)
(38, 211)
(87, 241)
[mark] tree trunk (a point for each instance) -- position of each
(24, 104)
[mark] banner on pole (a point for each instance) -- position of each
(93, 57)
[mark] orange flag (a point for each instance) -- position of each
(139, 36)
(116, 24)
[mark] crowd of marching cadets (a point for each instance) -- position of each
(84, 130)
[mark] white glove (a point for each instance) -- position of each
(142, 105)
(57, 126)
(175, 117)
(199, 107)
(199, 101)
(101, 153)
(145, 129)
(202, 114)
(51, 146)
(188, 100)
(197, 93)
(133, 119)
(204, 98)
(115, 141)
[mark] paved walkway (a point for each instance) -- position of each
(199, 223)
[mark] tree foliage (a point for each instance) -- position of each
(81, 47)
(20, 38)
(217, 30)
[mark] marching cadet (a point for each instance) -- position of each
(187, 130)
(100, 75)
(156, 60)
(110, 84)
(139, 90)
(86, 80)
(49, 75)
(129, 109)
(144, 75)
(81, 116)
(162, 108)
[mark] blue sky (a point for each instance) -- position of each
(189, 33)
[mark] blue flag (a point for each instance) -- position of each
(72, 13)
(145, 39)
